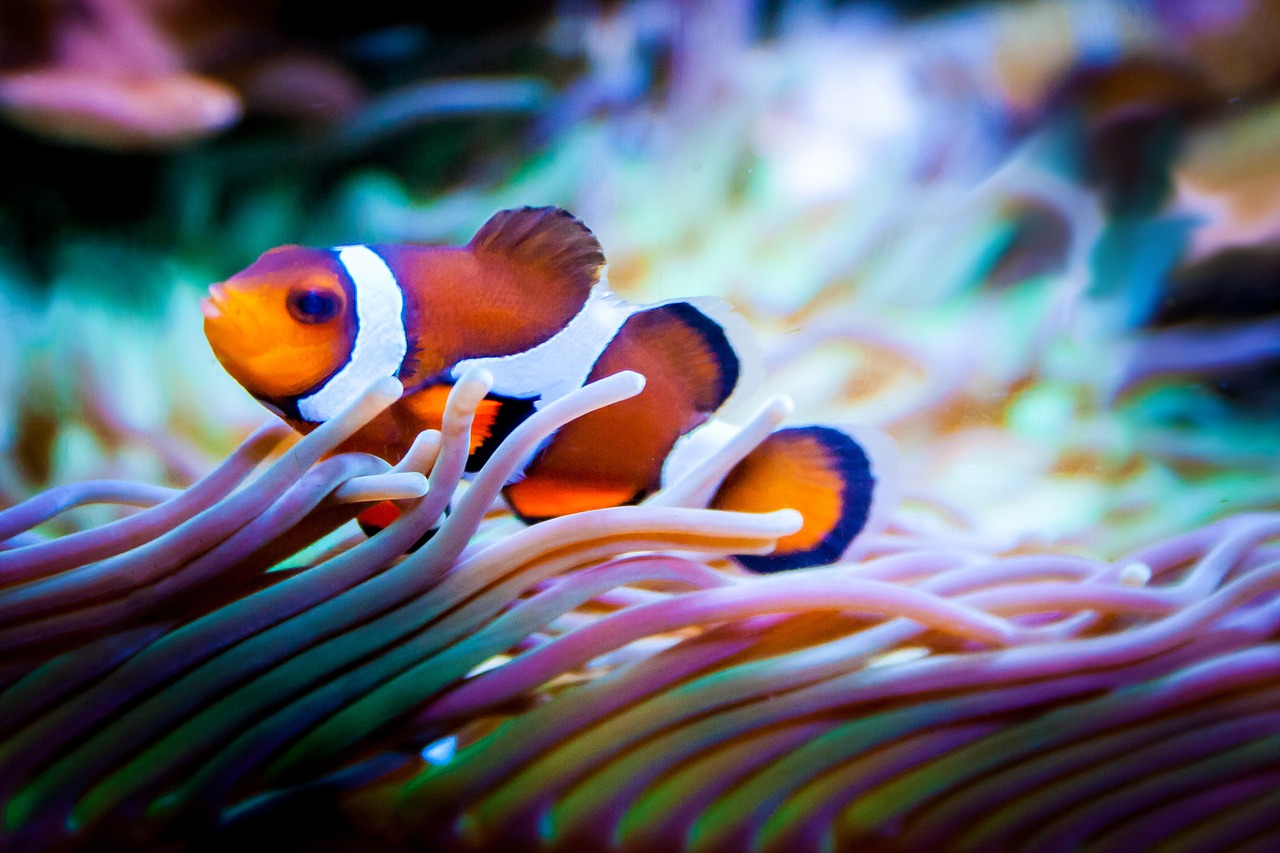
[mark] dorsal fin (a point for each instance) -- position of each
(615, 455)
(689, 348)
(547, 237)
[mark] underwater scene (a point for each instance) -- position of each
(640, 425)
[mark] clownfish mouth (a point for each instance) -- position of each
(209, 306)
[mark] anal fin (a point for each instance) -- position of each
(376, 518)
(495, 418)
(541, 497)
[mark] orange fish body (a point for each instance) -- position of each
(306, 330)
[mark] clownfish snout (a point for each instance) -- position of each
(231, 325)
(210, 306)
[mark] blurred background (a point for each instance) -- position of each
(1038, 243)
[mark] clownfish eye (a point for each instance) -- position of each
(312, 306)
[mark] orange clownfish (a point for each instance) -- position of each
(305, 330)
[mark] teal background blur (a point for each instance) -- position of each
(1035, 242)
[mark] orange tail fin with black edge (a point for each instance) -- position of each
(821, 471)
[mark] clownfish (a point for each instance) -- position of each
(305, 330)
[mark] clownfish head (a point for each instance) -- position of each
(284, 324)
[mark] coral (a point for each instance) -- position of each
(111, 76)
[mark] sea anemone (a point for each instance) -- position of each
(608, 678)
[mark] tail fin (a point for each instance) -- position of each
(823, 472)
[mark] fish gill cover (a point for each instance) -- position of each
(1034, 244)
